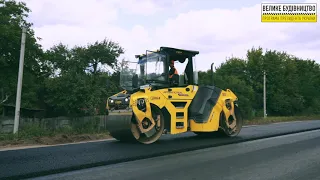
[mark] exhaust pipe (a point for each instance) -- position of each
(212, 74)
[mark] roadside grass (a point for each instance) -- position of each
(35, 135)
(275, 119)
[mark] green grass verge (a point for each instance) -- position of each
(268, 120)
(33, 134)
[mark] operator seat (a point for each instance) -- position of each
(174, 81)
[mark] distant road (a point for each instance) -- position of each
(295, 156)
(48, 160)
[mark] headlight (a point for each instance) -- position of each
(126, 99)
(111, 101)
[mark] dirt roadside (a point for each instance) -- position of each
(54, 140)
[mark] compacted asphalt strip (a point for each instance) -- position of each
(294, 156)
(33, 162)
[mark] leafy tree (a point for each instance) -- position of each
(105, 52)
(13, 16)
(292, 83)
(77, 88)
(235, 67)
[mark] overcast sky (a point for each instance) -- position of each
(216, 28)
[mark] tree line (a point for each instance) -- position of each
(69, 81)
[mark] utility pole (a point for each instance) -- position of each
(19, 85)
(3, 99)
(264, 95)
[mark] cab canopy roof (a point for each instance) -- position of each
(183, 52)
(174, 53)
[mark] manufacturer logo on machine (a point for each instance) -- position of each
(181, 94)
(173, 92)
(177, 92)
(154, 98)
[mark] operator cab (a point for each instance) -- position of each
(128, 76)
(155, 66)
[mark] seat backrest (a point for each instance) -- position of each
(175, 80)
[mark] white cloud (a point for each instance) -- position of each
(221, 33)
(149, 7)
(139, 7)
(80, 22)
(130, 39)
(73, 12)
(216, 33)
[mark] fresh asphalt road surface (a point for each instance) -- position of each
(48, 160)
(295, 156)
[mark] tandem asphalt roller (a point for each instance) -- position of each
(161, 101)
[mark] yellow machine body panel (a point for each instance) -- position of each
(211, 125)
(166, 98)
(122, 92)
(179, 114)
(213, 122)
(176, 118)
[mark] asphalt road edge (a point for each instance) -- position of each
(109, 139)
(122, 160)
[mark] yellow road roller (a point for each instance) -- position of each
(165, 100)
(120, 100)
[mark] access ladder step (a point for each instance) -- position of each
(180, 115)
(179, 125)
